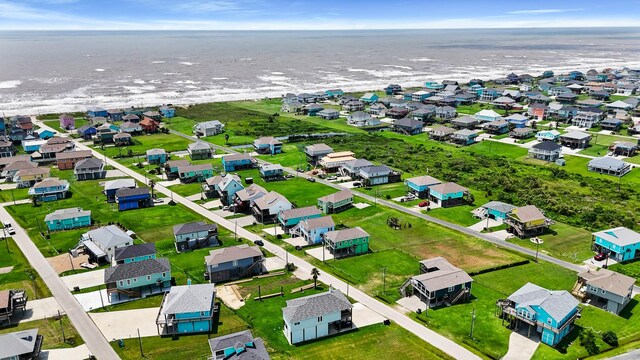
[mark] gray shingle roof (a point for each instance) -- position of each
(136, 269)
(192, 298)
(236, 157)
(578, 135)
(527, 213)
(89, 163)
(119, 183)
(337, 197)
(124, 192)
(109, 236)
(345, 234)
(199, 145)
(424, 180)
(499, 206)
(133, 251)
(300, 212)
(448, 188)
(244, 251)
(251, 192)
(315, 223)
(316, 305)
(18, 343)
(69, 213)
(607, 162)
(73, 154)
(442, 275)
(547, 146)
(608, 280)
(193, 227)
(254, 348)
(558, 304)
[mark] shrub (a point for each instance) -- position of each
(610, 338)
(588, 341)
(172, 203)
(388, 197)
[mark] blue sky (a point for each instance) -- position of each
(309, 15)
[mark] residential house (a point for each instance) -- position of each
(291, 217)
(397, 113)
(433, 85)
(45, 134)
(29, 176)
(334, 93)
(32, 145)
(497, 127)
(135, 278)
(464, 137)
(369, 98)
(266, 208)
(236, 346)
(187, 309)
(439, 283)
(605, 288)
(157, 156)
(312, 109)
(6, 148)
(167, 111)
(336, 202)
(587, 117)
(293, 106)
(87, 131)
(235, 162)
(557, 90)
(195, 173)
(67, 122)
(521, 133)
(200, 150)
(149, 125)
(378, 175)
(271, 172)
(101, 243)
(233, 262)
(132, 253)
(548, 135)
(208, 128)
(49, 151)
(600, 95)
(496, 210)
(171, 168)
(122, 139)
(546, 151)
(352, 168)
(487, 116)
(106, 133)
(527, 221)
(66, 219)
(361, 118)
(244, 199)
(67, 160)
(130, 128)
(11, 301)
(355, 105)
(195, 235)
(110, 187)
(378, 109)
(464, 122)
(393, 89)
(334, 161)
(446, 112)
(328, 114)
(131, 118)
(567, 98)
(408, 126)
(620, 243)
(624, 148)
(550, 313)
(609, 166)
(133, 198)
(154, 115)
(49, 189)
(448, 194)
(518, 120)
(225, 187)
(346, 242)
(611, 124)
(316, 152)
(425, 114)
(96, 112)
(441, 133)
(575, 140)
(19, 345)
(538, 111)
(267, 145)
(316, 316)
(312, 229)
(504, 102)
(464, 98)
(419, 185)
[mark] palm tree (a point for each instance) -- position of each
(34, 200)
(315, 273)
(226, 138)
(152, 185)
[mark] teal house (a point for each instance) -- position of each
(133, 253)
(433, 85)
(419, 185)
(620, 243)
(191, 173)
(369, 98)
(138, 278)
(65, 219)
(548, 312)
(187, 309)
(447, 194)
(290, 218)
(157, 156)
(167, 111)
(346, 242)
(334, 93)
(496, 210)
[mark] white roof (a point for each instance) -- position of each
(192, 298)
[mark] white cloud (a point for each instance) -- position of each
(541, 11)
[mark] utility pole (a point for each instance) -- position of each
(537, 248)
(13, 197)
(235, 231)
(64, 338)
(473, 320)
(323, 247)
(140, 342)
(71, 261)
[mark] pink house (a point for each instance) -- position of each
(67, 122)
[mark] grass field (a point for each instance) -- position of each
(51, 331)
(564, 242)
(20, 275)
(55, 124)
(142, 143)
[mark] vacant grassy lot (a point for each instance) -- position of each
(15, 194)
(20, 275)
(142, 143)
(563, 241)
(55, 124)
(50, 329)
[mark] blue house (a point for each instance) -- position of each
(334, 93)
(548, 135)
(488, 94)
(518, 120)
(269, 172)
(50, 189)
(312, 229)
(407, 96)
(135, 198)
(133, 253)
(233, 262)
(620, 243)
(576, 75)
(496, 210)
(97, 112)
(290, 218)
(419, 185)
(433, 85)
(65, 219)
(369, 98)
(86, 131)
(167, 111)
(267, 145)
(187, 309)
(236, 162)
(448, 194)
(393, 89)
(548, 312)
(46, 134)
(110, 187)
(157, 156)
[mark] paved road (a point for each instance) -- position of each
(435, 339)
(84, 325)
(631, 355)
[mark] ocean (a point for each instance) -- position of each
(47, 72)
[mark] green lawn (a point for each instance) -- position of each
(20, 275)
(142, 143)
(55, 124)
(51, 331)
(148, 302)
(15, 194)
(564, 242)
(497, 148)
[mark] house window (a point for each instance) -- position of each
(164, 274)
(549, 321)
(148, 277)
(135, 279)
(128, 281)
(235, 262)
(296, 323)
(201, 313)
(319, 318)
(451, 288)
(603, 291)
(121, 283)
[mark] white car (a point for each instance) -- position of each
(11, 231)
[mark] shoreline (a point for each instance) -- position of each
(209, 95)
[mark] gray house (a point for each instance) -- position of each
(208, 128)
(609, 166)
(21, 345)
(233, 262)
(195, 235)
(101, 243)
(546, 151)
(89, 169)
(200, 150)
(608, 289)
(316, 152)
(575, 139)
(439, 282)
(464, 122)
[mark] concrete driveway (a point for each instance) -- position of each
(363, 316)
(317, 253)
(244, 221)
(84, 280)
(296, 241)
(125, 324)
(273, 231)
(520, 347)
(77, 353)
(92, 300)
(40, 309)
(274, 263)
(479, 226)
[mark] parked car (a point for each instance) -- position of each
(157, 201)
(288, 176)
(6, 224)
(311, 179)
(600, 257)
(11, 231)
(332, 178)
(259, 242)
(423, 204)
(225, 208)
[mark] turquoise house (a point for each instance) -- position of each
(167, 111)
(548, 135)
(334, 93)
(620, 243)
(133, 253)
(199, 172)
(236, 162)
(433, 85)
(46, 134)
(419, 185)
(290, 218)
(447, 194)
(548, 312)
(187, 309)
(369, 98)
(135, 278)
(497, 210)
(157, 156)
(65, 219)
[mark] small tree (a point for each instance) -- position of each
(152, 185)
(588, 341)
(315, 273)
(610, 338)
(34, 200)
(226, 138)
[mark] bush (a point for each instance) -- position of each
(388, 197)
(291, 267)
(588, 341)
(172, 203)
(610, 338)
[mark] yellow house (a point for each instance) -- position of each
(527, 221)
(28, 177)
